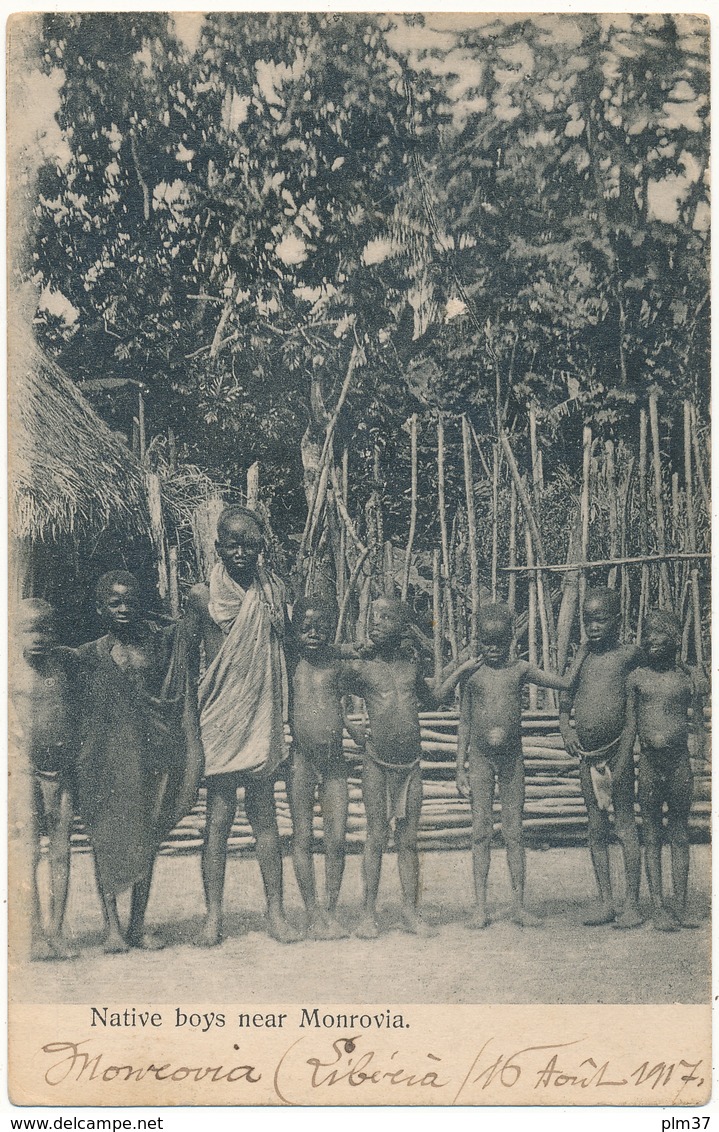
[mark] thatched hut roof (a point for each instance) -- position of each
(69, 473)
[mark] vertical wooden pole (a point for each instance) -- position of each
(692, 533)
(157, 532)
(495, 516)
(413, 506)
(585, 506)
(643, 524)
(341, 573)
(174, 581)
(388, 569)
(664, 588)
(676, 542)
(512, 585)
(141, 425)
(699, 462)
(171, 450)
(624, 573)
(445, 538)
(437, 616)
(531, 613)
(471, 537)
(611, 480)
(253, 485)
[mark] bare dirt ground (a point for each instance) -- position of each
(559, 962)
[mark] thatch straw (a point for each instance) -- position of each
(68, 471)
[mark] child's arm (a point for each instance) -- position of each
(465, 719)
(546, 678)
(356, 731)
(442, 689)
(629, 732)
(566, 699)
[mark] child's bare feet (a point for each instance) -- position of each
(686, 921)
(324, 926)
(367, 927)
(414, 924)
(478, 920)
(629, 917)
(114, 944)
(525, 919)
(211, 934)
(45, 949)
(61, 949)
(603, 914)
(335, 930)
(281, 929)
(146, 941)
(663, 920)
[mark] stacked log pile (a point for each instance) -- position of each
(554, 810)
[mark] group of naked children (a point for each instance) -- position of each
(123, 730)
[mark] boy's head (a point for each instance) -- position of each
(36, 627)
(314, 620)
(496, 628)
(240, 541)
(601, 616)
(117, 598)
(662, 636)
(389, 620)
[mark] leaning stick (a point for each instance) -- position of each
(348, 593)
(664, 589)
(532, 627)
(692, 532)
(584, 510)
(643, 524)
(445, 540)
(340, 494)
(413, 507)
(523, 498)
(472, 538)
(321, 484)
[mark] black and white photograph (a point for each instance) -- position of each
(359, 558)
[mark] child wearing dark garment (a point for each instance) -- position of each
(658, 698)
(317, 722)
(43, 704)
(599, 695)
(489, 748)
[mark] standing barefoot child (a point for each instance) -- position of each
(599, 693)
(658, 697)
(389, 680)
(43, 701)
(317, 725)
(490, 741)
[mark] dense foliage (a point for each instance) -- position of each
(479, 217)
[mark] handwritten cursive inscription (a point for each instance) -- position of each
(77, 1064)
(312, 1070)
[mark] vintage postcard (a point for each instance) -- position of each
(359, 559)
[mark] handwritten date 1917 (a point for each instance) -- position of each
(312, 1070)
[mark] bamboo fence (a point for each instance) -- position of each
(554, 810)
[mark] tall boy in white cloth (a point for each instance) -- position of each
(240, 620)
